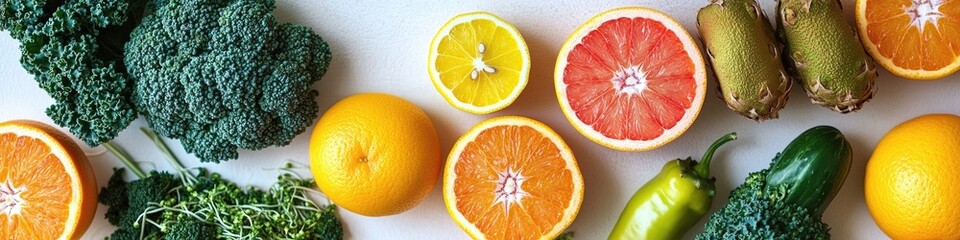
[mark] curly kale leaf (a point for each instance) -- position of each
(222, 75)
(74, 49)
(757, 213)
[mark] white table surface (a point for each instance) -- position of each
(382, 47)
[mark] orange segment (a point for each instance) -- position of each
(917, 39)
(47, 187)
(512, 178)
(631, 79)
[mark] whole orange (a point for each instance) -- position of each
(912, 185)
(375, 154)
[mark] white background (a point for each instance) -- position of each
(382, 47)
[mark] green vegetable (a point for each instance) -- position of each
(786, 200)
(825, 54)
(745, 56)
(205, 206)
(673, 201)
(224, 74)
(757, 211)
(74, 49)
(127, 201)
(813, 167)
(565, 236)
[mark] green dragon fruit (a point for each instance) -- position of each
(825, 54)
(746, 57)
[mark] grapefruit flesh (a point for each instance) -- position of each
(631, 79)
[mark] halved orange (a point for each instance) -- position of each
(631, 79)
(916, 39)
(47, 186)
(512, 178)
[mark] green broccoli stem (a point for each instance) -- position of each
(125, 158)
(172, 159)
(702, 169)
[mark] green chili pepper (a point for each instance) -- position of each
(673, 201)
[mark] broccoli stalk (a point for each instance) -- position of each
(74, 49)
(756, 211)
(205, 206)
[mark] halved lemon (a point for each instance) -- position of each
(916, 39)
(479, 62)
(47, 186)
(512, 178)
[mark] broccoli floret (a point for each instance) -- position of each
(114, 195)
(757, 213)
(328, 225)
(124, 210)
(225, 74)
(74, 49)
(189, 228)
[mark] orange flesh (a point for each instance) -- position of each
(890, 28)
(512, 150)
(42, 183)
(616, 51)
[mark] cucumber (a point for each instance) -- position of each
(812, 168)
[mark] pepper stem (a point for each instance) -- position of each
(702, 168)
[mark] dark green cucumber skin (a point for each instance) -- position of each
(813, 167)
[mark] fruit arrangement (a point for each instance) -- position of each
(227, 78)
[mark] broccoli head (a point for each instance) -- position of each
(189, 228)
(222, 75)
(126, 202)
(754, 212)
(74, 49)
(114, 195)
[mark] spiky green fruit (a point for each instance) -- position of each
(745, 56)
(825, 54)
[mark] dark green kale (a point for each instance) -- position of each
(758, 212)
(74, 49)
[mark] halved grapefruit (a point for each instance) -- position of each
(631, 79)
(512, 178)
(47, 186)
